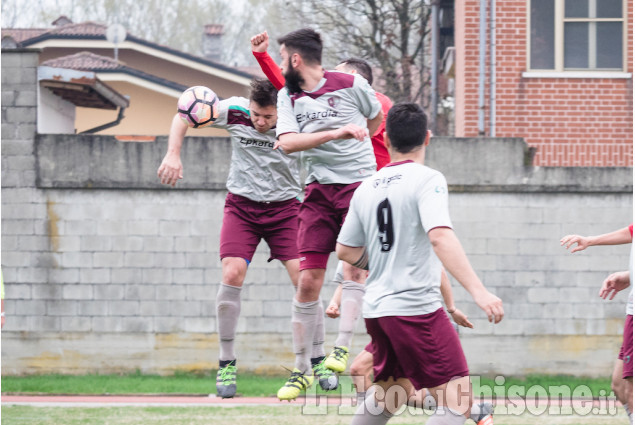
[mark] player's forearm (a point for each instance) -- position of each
(446, 291)
(354, 255)
(296, 142)
(617, 237)
(270, 68)
(374, 123)
(337, 296)
(177, 133)
(449, 250)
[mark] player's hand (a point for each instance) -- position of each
(491, 305)
(332, 311)
(461, 319)
(615, 283)
(351, 131)
(569, 240)
(260, 42)
(171, 170)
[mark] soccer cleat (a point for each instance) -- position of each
(226, 380)
(485, 417)
(487, 420)
(336, 361)
(297, 383)
(326, 377)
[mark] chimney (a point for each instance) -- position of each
(62, 20)
(213, 42)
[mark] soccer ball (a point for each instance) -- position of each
(198, 106)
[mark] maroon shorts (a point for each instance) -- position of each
(321, 216)
(425, 349)
(626, 352)
(245, 222)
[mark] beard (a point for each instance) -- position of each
(293, 79)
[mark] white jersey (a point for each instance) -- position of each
(391, 214)
(338, 99)
(257, 171)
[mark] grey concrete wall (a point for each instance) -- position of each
(106, 270)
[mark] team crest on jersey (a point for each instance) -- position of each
(333, 101)
(386, 181)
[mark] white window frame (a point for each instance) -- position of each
(559, 70)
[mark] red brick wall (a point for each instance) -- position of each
(571, 121)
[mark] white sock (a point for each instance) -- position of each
(350, 308)
(367, 413)
(303, 320)
(318, 337)
(227, 313)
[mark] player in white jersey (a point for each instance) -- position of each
(398, 227)
(263, 185)
(328, 116)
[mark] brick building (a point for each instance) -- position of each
(563, 78)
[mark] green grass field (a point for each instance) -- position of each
(248, 384)
(255, 385)
(248, 415)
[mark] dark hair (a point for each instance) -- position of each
(406, 126)
(306, 42)
(361, 66)
(263, 92)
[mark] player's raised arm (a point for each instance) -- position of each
(259, 46)
(449, 250)
(171, 168)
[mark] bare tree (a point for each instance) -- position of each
(390, 34)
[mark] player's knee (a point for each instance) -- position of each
(232, 276)
(359, 369)
(616, 385)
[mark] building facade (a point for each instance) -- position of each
(563, 75)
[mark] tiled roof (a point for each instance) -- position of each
(21, 34)
(83, 61)
(94, 30)
(87, 61)
(82, 28)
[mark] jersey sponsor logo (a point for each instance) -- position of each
(256, 143)
(386, 181)
(310, 116)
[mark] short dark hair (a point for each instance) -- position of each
(361, 66)
(305, 41)
(406, 126)
(263, 92)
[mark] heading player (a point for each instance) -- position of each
(328, 116)
(262, 203)
(351, 292)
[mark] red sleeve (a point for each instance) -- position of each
(270, 68)
(631, 229)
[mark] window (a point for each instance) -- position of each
(577, 35)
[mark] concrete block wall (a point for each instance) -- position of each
(110, 272)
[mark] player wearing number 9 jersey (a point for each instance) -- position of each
(398, 226)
